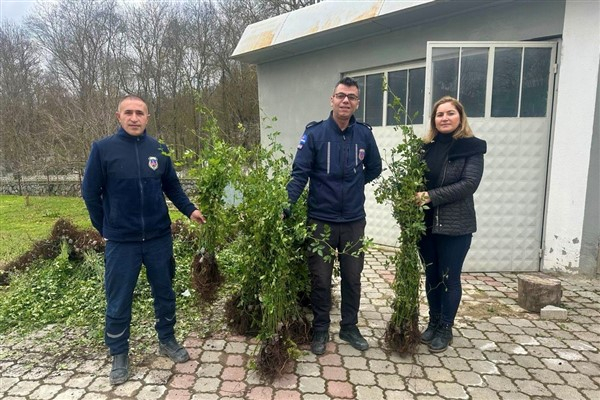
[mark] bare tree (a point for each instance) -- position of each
(19, 109)
(62, 73)
(78, 38)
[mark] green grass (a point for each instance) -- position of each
(71, 293)
(25, 220)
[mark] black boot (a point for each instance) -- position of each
(120, 369)
(442, 338)
(319, 342)
(429, 333)
(176, 352)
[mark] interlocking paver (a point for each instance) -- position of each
(532, 388)
(341, 390)
(311, 384)
(45, 392)
(368, 393)
(452, 390)
(500, 351)
(438, 374)
(151, 392)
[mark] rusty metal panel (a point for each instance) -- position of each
(275, 35)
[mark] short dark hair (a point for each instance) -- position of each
(347, 81)
(131, 97)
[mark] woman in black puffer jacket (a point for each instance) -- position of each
(454, 159)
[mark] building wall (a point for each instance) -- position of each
(590, 245)
(570, 159)
(296, 91)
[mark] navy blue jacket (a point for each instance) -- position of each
(125, 178)
(339, 164)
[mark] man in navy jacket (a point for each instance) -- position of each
(338, 156)
(126, 178)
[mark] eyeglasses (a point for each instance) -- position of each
(342, 96)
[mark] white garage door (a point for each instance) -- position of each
(506, 89)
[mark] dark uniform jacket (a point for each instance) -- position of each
(452, 197)
(338, 164)
(123, 186)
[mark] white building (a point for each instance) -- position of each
(527, 73)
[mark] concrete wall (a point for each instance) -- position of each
(297, 90)
(69, 188)
(573, 176)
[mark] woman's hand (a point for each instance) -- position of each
(422, 198)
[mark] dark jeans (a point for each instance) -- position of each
(123, 261)
(350, 270)
(443, 256)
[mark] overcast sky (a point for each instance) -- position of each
(15, 10)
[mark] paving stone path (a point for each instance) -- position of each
(500, 351)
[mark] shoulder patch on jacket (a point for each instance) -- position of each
(313, 123)
(302, 141)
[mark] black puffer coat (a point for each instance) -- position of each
(452, 198)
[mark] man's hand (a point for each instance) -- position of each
(286, 213)
(198, 217)
(422, 198)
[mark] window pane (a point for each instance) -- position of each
(507, 72)
(360, 113)
(473, 78)
(416, 95)
(374, 100)
(397, 86)
(445, 73)
(534, 94)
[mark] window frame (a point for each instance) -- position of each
(492, 46)
(385, 70)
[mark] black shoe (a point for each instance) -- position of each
(120, 369)
(319, 341)
(173, 350)
(352, 335)
(442, 339)
(429, 333)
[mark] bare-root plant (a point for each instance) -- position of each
(404, 179)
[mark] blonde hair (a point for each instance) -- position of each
(463, 130)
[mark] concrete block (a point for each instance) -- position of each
(538, 291)
(554, 313)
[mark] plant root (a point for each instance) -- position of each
(273, 357)
(78, 241)
(299, 331)
(403, 338)
(242, 321)
(206, 277)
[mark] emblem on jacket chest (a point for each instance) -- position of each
(153, 163)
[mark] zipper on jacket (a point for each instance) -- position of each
(328, 157)
(345, 155)
(140, 185)
(437, 209)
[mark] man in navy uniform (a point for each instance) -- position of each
(126, 178)
(339, 156)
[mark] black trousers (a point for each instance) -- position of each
(343, 240)
(444, 257)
